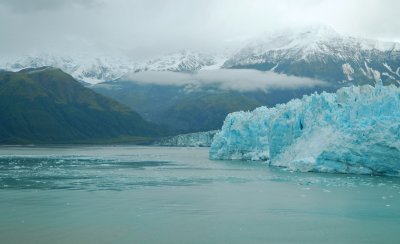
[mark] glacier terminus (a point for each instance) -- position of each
(355, 130)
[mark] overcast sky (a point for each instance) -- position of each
(142, 28)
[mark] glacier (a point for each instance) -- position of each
(196, 139)
(355, 130)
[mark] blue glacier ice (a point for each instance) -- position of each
(355, 130)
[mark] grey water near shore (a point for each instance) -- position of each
(131, 194)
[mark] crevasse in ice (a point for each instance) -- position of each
(355, 130)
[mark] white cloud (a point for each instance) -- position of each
(228, 79)
(23, 6)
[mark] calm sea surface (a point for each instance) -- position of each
(128, 194)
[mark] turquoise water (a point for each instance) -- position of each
(176, 195)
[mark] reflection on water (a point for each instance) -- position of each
(176, 195)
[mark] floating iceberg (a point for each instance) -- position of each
(355, 130)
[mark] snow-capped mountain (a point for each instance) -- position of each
(94, 70)
(83, 68)
(184, 61)
(318, 51)
(315, 51)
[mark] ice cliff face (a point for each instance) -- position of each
(355, 130)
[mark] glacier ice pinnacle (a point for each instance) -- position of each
(355, 130)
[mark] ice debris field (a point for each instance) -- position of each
(355, 130)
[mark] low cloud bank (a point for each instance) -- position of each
(227, 79)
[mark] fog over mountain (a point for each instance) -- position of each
(227, 79)
(141, 29)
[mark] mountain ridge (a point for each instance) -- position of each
(315, 51)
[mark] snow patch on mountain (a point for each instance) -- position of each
(348, 70)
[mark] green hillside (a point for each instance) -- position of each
(46, 105)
